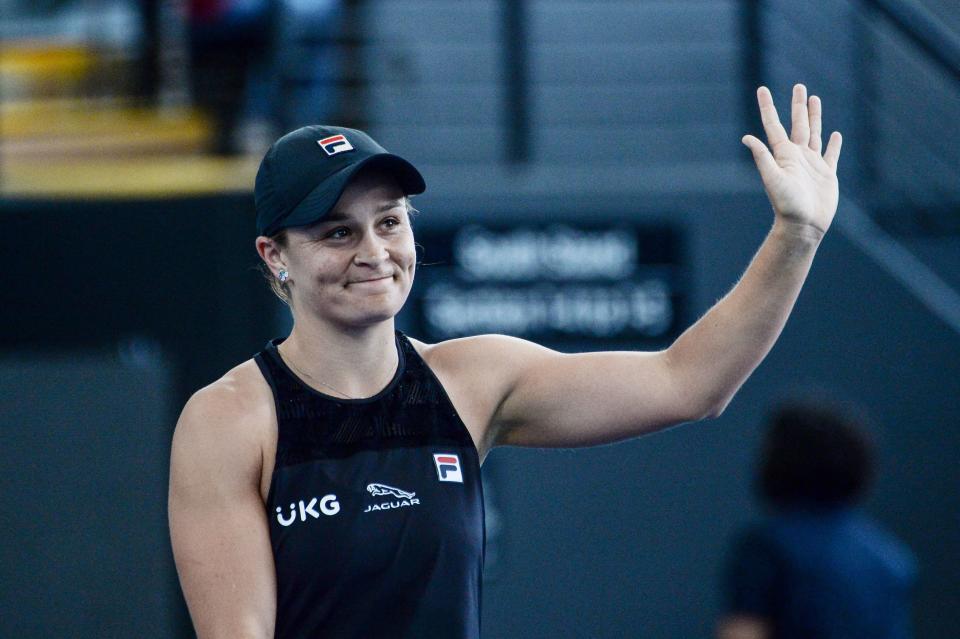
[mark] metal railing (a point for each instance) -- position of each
(850, 48)
(924, 30)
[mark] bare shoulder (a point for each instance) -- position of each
(228, 423)
(501, 352)
(485, 362)
(478, 372)
(239, 400)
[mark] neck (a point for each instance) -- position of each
(356, 362)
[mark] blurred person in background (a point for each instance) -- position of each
(231, 48)
(817, 567)
(330, 486)
(262, 66)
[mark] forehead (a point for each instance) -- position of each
(356, 211)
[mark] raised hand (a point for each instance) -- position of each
(800, 182)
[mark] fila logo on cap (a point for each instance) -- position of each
(335, 144)
(448, 467)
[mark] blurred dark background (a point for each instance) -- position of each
(599, 136)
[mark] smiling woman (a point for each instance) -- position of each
(298, 447)
(354, 266)
(281, 470)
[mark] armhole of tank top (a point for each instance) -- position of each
(260, 359)
(473, 448)
(446, 397)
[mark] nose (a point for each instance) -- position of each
(371, 251)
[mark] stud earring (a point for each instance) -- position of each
(283, 276)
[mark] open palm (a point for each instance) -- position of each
(800, 182)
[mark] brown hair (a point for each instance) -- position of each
(280, 289)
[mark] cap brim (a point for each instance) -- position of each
(325, 195)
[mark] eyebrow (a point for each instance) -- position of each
(339, 216)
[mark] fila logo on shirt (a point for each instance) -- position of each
(328, 506)
(335, 144)
(448, 467)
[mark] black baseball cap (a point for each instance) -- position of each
(305, 172)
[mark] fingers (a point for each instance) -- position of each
(761, 155)
(832, 155)
(800, 121)
(816, 110)
(806, 117)
(771, 121)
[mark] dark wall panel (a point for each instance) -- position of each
(179, 271)
(86, 551)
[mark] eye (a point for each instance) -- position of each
(391, 222)
(338, 233)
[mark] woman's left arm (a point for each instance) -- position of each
(716, 355)
(552, 399)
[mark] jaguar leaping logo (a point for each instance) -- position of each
(383, 489)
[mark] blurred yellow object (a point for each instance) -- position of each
(137, 177)
(57, 144)
(34, 69)
(45, 59)
(55, 127)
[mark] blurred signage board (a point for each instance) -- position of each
(549, 283)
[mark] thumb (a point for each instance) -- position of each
(761, 155)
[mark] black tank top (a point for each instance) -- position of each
(375, 509)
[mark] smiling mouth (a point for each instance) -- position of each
(375, 279)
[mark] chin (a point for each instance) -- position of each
(371, 312)
(376, 315)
